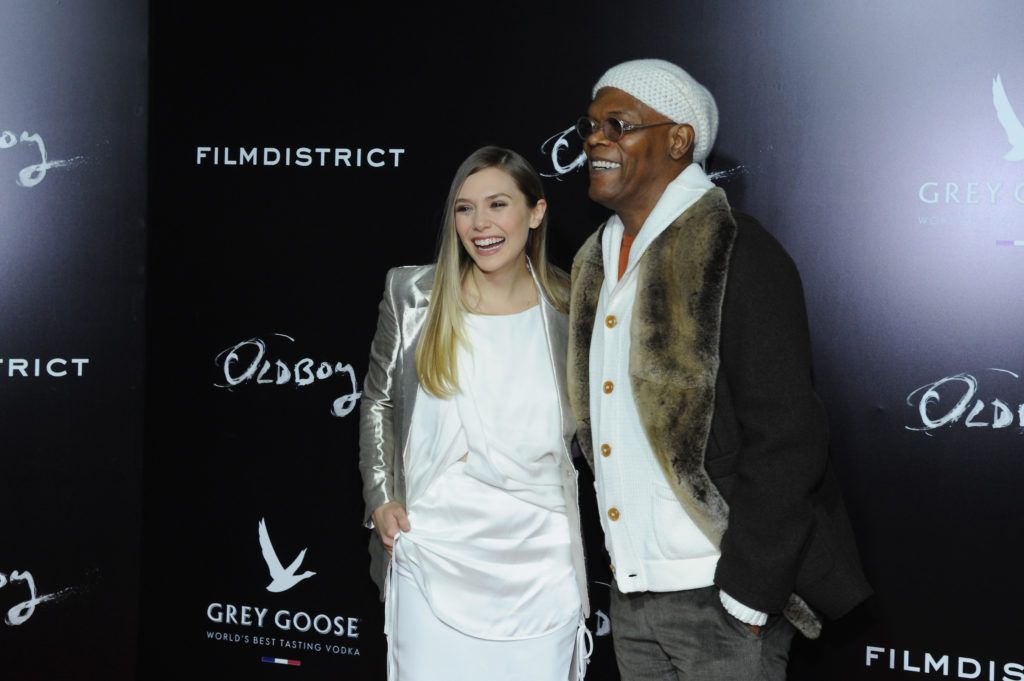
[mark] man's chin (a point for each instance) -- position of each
(602, 197)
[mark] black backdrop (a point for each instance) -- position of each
(72, 234)
(866, 137)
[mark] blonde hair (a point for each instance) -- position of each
(437, 351)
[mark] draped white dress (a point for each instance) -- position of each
(482, 586)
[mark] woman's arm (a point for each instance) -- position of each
(376, 425)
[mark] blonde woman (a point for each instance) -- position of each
(464, 446)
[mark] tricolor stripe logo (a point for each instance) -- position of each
(279, 660)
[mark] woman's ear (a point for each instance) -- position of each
(537, 213)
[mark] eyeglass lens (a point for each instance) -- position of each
(611, 127)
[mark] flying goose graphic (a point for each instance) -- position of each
(282, 578)
(1008, 119)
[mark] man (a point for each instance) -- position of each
(690, 379)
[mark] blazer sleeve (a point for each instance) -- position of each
(376, 416)
(782, 454)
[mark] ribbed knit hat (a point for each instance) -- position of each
(670, 91)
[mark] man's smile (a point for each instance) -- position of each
(600, 164)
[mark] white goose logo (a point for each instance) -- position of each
(282, 578)
(1008, 119)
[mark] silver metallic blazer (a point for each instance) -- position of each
(389, 397)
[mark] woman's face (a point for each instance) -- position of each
(493, 220)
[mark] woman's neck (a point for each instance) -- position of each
(507, 291)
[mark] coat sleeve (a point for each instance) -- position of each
(782, 453)
(376, 416)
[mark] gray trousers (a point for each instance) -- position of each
(688, 636)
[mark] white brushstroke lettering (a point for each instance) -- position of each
(248, 361)
(930, 400)
(560, 143)
(33, 174)
(22, 612)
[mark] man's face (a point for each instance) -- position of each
(629, 174)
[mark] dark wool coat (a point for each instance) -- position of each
(720, 369)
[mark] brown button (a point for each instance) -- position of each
(613, 513)
(608, 387)
(606, 450)
(610, 321)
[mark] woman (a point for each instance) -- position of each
(464, 446)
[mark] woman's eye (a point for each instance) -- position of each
(498, 204)
(462, 209)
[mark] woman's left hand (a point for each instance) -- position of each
(389, 519)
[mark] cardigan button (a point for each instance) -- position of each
(608, 387)
(610, 321)
(613, 513)
(606, 450)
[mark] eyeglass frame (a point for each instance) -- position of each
(627, 128)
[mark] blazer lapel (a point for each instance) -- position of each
(414, 314)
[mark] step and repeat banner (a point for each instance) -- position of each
(298, 152)
(73, 117)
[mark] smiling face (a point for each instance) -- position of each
(493, 220)
(630, 174)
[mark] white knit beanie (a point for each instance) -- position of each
(670, 91)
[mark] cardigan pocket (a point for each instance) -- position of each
(675, 535)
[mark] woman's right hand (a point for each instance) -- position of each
(389, 519)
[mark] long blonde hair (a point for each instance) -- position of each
(437, 351)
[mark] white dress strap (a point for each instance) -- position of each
(584, 649)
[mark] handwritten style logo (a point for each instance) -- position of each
(559, 144)
(33, 174)
(945, 401)
(247, 362)
(1009, 120)
(20, 613)
(282, 578)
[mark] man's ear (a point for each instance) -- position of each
(681, 138)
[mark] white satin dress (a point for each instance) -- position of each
(482, 586)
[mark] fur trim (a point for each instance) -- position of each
(674, 345)
(801, 616)
(587, 279)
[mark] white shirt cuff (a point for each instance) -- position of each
(742, 612)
